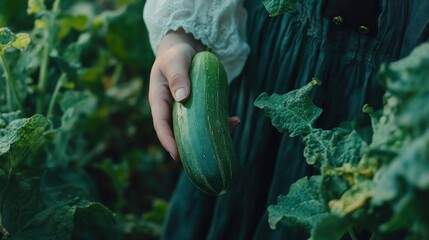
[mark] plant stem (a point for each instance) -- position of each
(43, 79)
(50, 32)
(60, 82)
(352, 234)
(11, 85)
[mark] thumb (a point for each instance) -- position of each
(177, 75)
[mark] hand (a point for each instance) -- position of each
(169, 81)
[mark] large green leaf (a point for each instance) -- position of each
(334, 147)
(293, 112)
(405, 118)
(403, 183)
(25, 214)
(20, 201)
(18, 138)
(301, 207)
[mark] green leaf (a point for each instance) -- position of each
(293, 112)
(354, 198)
(6, 38)
(404, 213)
(414, 114)
(332, 185)
(67, 23)
(18, 138)
(127, 37)
(278, 7)
(387, 137)
(61, 221)
(410, 167)
(26, 216)
(35, 6)
(334, 147)
(408, 76)
(301, 207)
(22, 40)
(6, 118)
(408, 91)
(9, 39)
(93, 220)
(20, 201)
(118, 173)
(330, 227)
(75, 104)
(60, 184)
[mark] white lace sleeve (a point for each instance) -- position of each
(219, 24)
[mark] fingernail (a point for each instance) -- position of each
(180, 94)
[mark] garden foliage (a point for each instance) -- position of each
(377, 184)
(78, 155)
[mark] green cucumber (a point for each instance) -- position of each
(201, 127)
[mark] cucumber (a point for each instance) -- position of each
(201, 127)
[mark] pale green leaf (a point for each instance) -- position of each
(22, 41)
(9, 39)
(293, 112)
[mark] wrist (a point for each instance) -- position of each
(172, 38)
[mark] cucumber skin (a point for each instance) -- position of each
(201, 127)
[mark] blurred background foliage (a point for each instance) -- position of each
(100, 144)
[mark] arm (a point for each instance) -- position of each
(218, 24)
(174, 28)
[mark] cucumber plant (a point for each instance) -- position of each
(377, 184)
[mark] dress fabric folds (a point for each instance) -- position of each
(286, 52)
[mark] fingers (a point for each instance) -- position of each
(169, 81)
(233, 123)
(160, 101)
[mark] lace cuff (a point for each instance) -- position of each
(218, 24)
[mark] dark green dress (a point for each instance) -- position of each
(286, 53)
